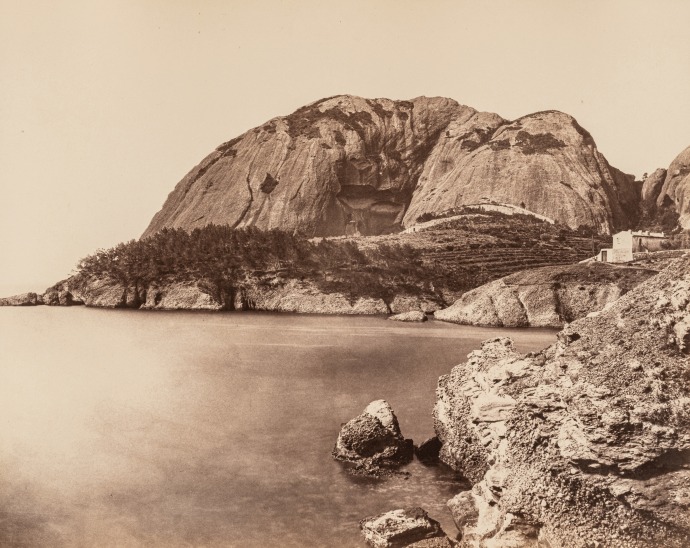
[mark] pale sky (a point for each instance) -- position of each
(104, 106)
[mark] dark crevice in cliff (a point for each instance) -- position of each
(248, 206)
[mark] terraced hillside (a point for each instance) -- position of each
(477, 248)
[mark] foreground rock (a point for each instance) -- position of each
(544, 297)
(346, 165)
(24, 299)
(428, 451)
(586, 443)
(404, 527)
(373, 441)
(412, 316)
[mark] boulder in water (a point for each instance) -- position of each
(373, 441)
(403, 527)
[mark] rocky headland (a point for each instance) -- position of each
(586, 443)
(550, 296)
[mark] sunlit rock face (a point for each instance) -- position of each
(586, 443)
(349, 165)
(671, 187)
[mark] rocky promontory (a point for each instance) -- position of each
(544, 297)
(586, 443)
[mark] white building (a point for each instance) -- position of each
(628, 242)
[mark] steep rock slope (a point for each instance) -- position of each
(671, 187)
(351, 165)
(337, 163)
(544, 297)
(545, 162)
(586, 443)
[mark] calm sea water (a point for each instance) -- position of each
(131, 428)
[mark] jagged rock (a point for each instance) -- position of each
(403, 527)
(24, 299)
(676, 187)
(586, 443)
(544, 297)
(373, 441)
(412, 316)
(180, 296)
(62, 294)
(428, 450)
(347, 165)
(651, 188)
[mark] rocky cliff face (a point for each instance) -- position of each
(299, 296)
(671, 187)
(352, 165)
(544, 162)
(586, 443)
(544, 297)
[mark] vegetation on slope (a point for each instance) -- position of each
(438, 264)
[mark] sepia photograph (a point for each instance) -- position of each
(307, 273)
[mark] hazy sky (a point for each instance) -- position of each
(104, 106)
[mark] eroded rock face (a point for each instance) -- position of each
(403, 527)
(347, 165)
(63, 293)
(373, 441)
(545, 162)
(675, 189)
(544, 297)
(586, 443)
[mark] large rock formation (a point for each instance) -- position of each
(544, 297)
(352, 165)
(670, 188)
(544, 162)
(373, 441)
(586, 443)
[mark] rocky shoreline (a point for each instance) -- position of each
(542, 297)
(584, 444)
(295, 296)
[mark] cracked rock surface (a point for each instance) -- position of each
(346, 165)
(586, 443)
(373, 441)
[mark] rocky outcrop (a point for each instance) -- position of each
(63, 293)
(671, 187)
(586, 443)
(651, 188)
(348, 165)
(544, 297)
(290, 295)
(544, 162)
(373, 441)
(25, 299)
(411, 316)
(404, 527)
